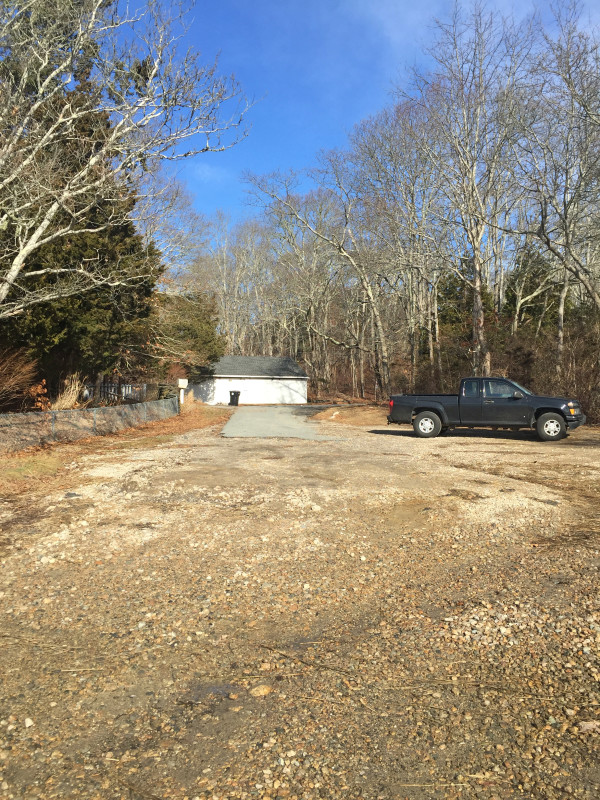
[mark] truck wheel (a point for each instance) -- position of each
(551, 427)
(427, 425)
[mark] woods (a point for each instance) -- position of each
(94, 97)
(455, 234)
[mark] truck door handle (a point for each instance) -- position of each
(488, 401)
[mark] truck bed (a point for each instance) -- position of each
(403, 406)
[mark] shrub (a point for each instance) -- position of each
(17, 378)
(70, 397)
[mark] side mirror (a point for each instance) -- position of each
(518, 395)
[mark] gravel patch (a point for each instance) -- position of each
(373, 616)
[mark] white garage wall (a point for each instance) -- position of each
(252, 390)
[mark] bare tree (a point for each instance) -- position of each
(479, 59)
(166, 219)
(310, 274)
(236, 266)
(399, 210)
(557, 154)
(343, 240)
(486, 156)
(91, 97)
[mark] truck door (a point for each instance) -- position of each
(469, 401)
(500, 406)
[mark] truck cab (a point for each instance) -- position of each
(490, 402)
(498, 401)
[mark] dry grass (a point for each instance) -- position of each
(193, 416)
(357, 416)
(31, 466)
(69, 397)
(34, 468)
(17, 375)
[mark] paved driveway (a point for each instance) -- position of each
(272, 422)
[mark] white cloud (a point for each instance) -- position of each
(408, 23)
(406, 28)
(401, 23)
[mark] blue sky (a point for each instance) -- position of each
(314, 67)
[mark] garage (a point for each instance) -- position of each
(260, 380)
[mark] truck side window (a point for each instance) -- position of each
(494, 388)
(471, 389)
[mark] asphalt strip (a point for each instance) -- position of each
(272, 422)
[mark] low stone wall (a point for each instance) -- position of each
(18, 431)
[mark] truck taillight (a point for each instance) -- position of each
(391, 404)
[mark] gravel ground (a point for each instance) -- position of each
(374, 616)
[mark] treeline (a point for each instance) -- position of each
(456, 234)
(94, 98)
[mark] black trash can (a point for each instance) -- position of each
(234, 398)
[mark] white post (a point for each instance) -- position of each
(182, 384)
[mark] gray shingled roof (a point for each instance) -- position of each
(256, 367)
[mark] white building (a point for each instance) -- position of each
(259, 380)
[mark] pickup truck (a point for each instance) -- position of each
(487, 403)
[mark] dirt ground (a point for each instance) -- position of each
(375, 616)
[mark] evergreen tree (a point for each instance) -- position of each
(104, 329)
(185, 331)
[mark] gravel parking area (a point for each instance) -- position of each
(373, 616)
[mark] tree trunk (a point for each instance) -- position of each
(518, 300)
(481, 353)
(439, 377)
(431, 336)
(542, 316)
(560, 339)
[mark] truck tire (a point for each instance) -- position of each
(427, 425)
(551, 427)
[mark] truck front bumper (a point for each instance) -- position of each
(575, 422)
